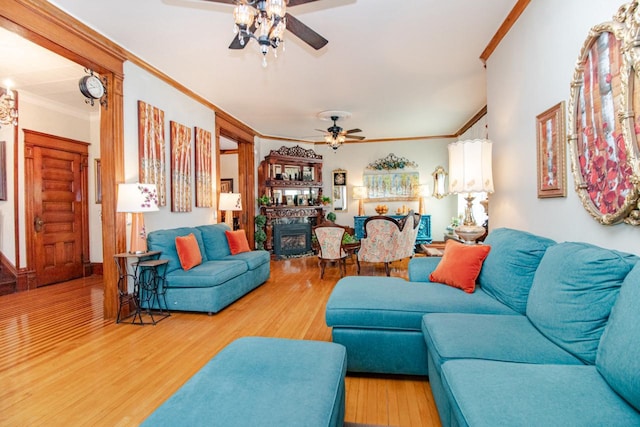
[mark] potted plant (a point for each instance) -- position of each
(325, 200)
(264, 200)
(260, 236)
(331, 217)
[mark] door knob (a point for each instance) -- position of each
(37, 224)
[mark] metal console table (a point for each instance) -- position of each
(148, 277)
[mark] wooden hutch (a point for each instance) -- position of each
(291, 179)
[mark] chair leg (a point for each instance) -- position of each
(358, 266)
(386, 269)
(343, 267)
(321, 265)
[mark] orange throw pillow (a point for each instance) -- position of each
(460, 265)
(237, 241)
(188, 251)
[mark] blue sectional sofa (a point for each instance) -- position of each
(219, 280)
(526, 348)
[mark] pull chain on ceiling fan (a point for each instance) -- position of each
(265, 22)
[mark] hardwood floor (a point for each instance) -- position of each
(62, 364)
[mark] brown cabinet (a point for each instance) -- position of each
(291, 180)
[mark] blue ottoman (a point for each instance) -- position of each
(262, 381)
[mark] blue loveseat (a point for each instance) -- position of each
(526, 348)
(221, 279)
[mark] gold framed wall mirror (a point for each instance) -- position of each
(440, 189)
(339, 190)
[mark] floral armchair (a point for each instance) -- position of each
(329, 237)
(386, 239)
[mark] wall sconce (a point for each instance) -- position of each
(359, 194)
(136, 199)
(230, 202)
(8, 108)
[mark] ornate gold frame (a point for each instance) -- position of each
(604, 160)
(552, 171)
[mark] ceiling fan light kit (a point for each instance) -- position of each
(335, 136)
(265, 22)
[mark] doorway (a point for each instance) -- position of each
(56, 207)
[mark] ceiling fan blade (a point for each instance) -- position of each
(222, 1)
(297, 2)
(322, 130)
(353, 131)
(358, 137)
(235, 43)
(305, 33)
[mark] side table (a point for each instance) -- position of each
(149, 288)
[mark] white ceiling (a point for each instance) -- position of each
(403, 69)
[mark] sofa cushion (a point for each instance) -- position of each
(253, 259)
(619, 352)
(573, 292)
(487, 393)
(206, 275)
(393, 303)
(165, 241)
(237, 241)
(460, 265)
(188, 251)
(491, 337)
(508, 271)
(420, 268)
(215, 240)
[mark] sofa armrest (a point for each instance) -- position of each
(420, 268)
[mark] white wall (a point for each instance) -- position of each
(229, 169)
(140, 85)
(7, 216)
(530, 71)
(355, 157)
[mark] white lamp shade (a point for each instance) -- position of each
(359, 193)
(470, 166)
(230, 202)
(137, 198)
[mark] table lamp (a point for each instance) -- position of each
(230, 202)
(423, 191)
(470, 172)
(136, 199)
(359, 194)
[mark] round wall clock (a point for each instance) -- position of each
(91, 87)
(602, 154)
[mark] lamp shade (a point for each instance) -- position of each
(359, 193)
(230, 202)
(470, 166)
(137, 198)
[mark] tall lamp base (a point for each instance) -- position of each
(228, 218)
(138, 244)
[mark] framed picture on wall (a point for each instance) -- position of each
(226, 185)
(550, 129)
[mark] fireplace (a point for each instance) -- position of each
(291, 239)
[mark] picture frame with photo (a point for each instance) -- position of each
(550, 131)
(226, 185)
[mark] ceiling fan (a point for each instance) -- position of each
(266, 20)
(335, 136)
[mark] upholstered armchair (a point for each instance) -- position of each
(408, 235)
(329, 237)
(386, 239)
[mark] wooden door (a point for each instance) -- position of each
(56, 201)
